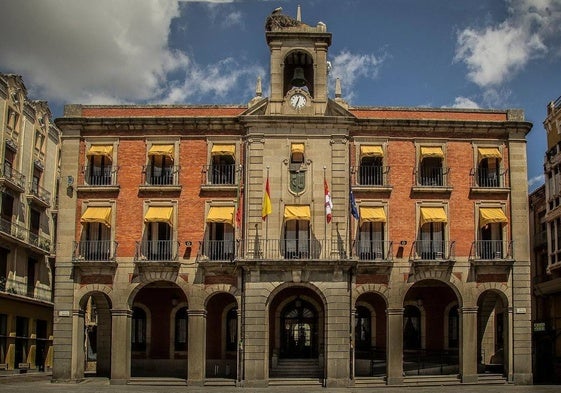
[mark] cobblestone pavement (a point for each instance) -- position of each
(42, 384)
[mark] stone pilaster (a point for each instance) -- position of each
(468, 344)
(197, 347)
(121, 346)
(395, 346)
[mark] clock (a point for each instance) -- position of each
(298, 101)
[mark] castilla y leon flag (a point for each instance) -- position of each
(328, 203)
(267, 207)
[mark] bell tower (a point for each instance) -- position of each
(299, 65)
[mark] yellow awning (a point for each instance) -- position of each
(223, 150)
(297, 148)
(159, 214)
(101, 215)
(434, 151)
(101, 150)
(491, 215)
(433, 214)
(224, 214)
(295, 212)
(371, 151)
(161, 150)
(372, 214)
(489, 152)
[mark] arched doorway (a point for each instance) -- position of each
(370, 336)
(296, 324)
(159, 331)
(430, 329)
(492, 336)
(221, 336)
(96, 307)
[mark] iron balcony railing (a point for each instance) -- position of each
(100, 176)
(161, 176)
(258, 248)
(373, 250)
(25, 235)
(12, 175)
(222, 174)
(40, 193)
(432, 176)
(432, 250)
(217, 250)
(95, 250)
(485, 178)
(368, 175)
(491, 250)
(157, 250)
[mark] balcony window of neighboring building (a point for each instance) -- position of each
(9, 159)
(371, 236)
(6, 212)
(138, 334)
(296, 242)
(220, 234)
(161, 170)
(488, 170)
(431, 170)
(223, 165)
(95, 243)
(158, 241)
(99, 168)
(34, 226)
(490, 234)
(371, 169)
(431, 238)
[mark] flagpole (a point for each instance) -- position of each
(267, 221)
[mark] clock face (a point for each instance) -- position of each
(297, 101)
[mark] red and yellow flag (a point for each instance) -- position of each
(267, 207)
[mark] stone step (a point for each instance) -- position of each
(432, 380)
(154, 381)
(220, 382)
(368, 382)
(295, 382)
(491, 379)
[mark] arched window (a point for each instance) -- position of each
(180, 340)
(138, 329)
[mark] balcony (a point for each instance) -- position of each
(373, 251)
(95, 256)
(490, 252)
(432, 252)
(20, 234)
(156, 251)
(432, 179)
(223, 177)
(217, 251)
(489, 181)
(372, 178)
(11, 178)
(160, 178)
(39, 195)
(99, 179)
(291, 249)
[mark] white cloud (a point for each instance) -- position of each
(535, 181)
(464, 102)
(349, 67)
(84, 51)
(493, 54)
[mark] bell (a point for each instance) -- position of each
(298, 79)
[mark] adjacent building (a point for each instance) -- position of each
(297, 238)
(545, 227)
(29, 154)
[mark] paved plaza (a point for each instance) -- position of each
(40, 383)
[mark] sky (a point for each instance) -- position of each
(494, 54)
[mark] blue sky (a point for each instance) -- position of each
(430, 53)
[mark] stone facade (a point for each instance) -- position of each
(28, 181)
(165, 229)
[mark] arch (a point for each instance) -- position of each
(186, 289)
(213, 290)
(81, 296)
(379, 289)
(451, 282)
(288, 285)
(304, 60)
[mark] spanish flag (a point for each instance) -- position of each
(267, 207)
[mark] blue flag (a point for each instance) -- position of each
(354, 209)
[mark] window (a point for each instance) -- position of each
(36, 181)
(222, 170)
(31, 268)
(371, 244)
(13, 119)
(34, 226)
(158, 244)
(296, 242)
(431, 239)
(220, 234)
(371, 169)
(161, 170)
(490, 234)
(181, 326)
(95, 243)
(22, 337)
(99, 170)
(431, 167)
(138, 336)
(3, 338)
(488, 170)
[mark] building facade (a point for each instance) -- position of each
(294, 238)
(545, 223)
(29, 171)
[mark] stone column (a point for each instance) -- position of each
(394, 346)
(468, 344)
(197, 347)
(77, 364)
(121, 346)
